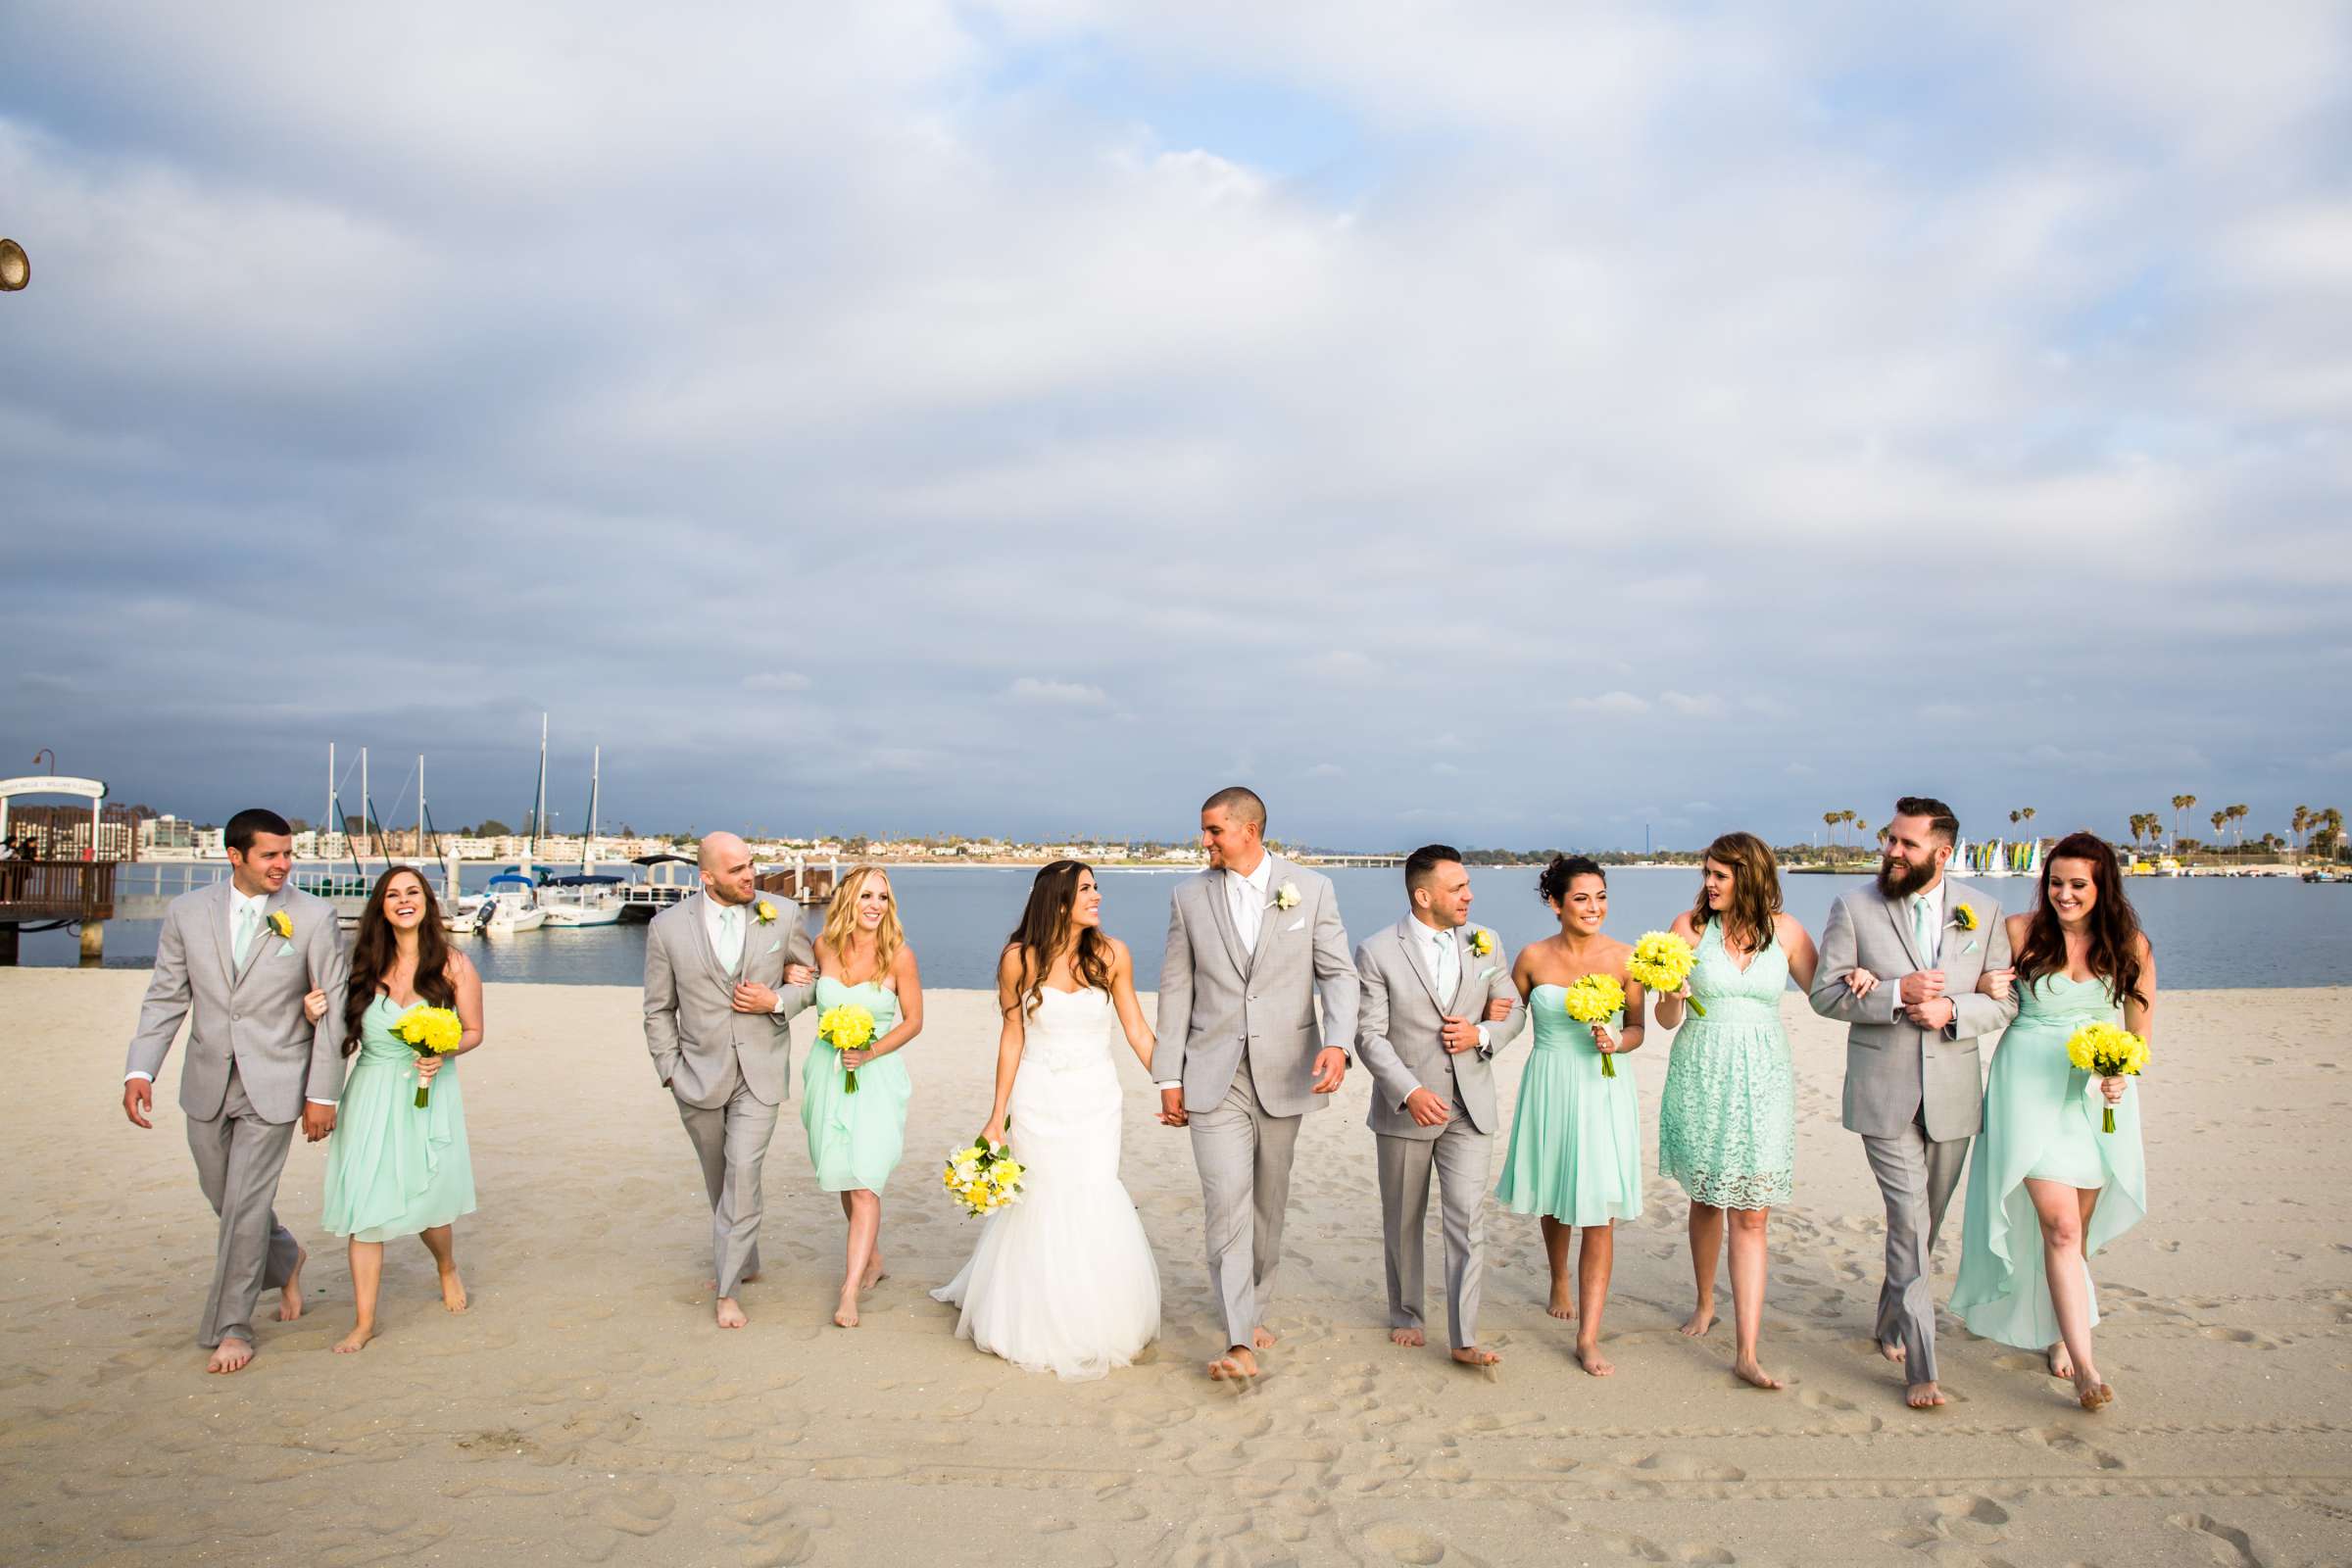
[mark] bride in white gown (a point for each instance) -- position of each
(1062, 1281)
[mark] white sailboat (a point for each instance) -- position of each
(575, 902)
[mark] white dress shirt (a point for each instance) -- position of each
(1444, 956)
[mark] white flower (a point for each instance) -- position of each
(1286, 896)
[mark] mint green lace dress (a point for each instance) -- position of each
(856, 1140)
(1576, 1138)
(2042, 1120)
(1727, 1117)
(393, 1170)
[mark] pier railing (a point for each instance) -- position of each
(56, 890)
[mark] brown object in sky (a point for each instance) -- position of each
(16, 270)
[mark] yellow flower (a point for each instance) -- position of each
(434, 1029)
(1482, 942)
(1964, 916)
(765, 911)
(282, 923)
(848, 1027)
(1596, 998)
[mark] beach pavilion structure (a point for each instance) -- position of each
(46, 894)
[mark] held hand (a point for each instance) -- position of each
(1331, 1065)
(854, 1060)
(1923, 985)
(1603, 1041)
(1171, 1107)
(1459, 1034)
(1498, 1009)
(1861, 982)
(139, 1098)
(754, 997)
(2113, 1089)
(314, 1006)
(798, 974)
(427, 1067)
(1933, 1014)
(1997, 983)
(994, 1131)
(1426, 1108)
(317, 1121)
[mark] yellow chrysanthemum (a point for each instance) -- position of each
(848, 1027)
(1965, 917)
(1596, 998)
(282, 923)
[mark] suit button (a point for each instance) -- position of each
(234, 1016)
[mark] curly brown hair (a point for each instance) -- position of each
(1747, 923)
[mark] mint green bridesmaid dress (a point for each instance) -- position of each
(2042, 1120)
(392, 1170)
(855, 1141)
(1576, 1138)
(1727, 1117)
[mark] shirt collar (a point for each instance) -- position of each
(1259, 878)
(238, 897)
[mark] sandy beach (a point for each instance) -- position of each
(586, 1409)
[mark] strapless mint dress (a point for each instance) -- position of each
(856, 1140)
(1576, 1138)
(2041, 1121)
(393, 1170)
(1727, 1117)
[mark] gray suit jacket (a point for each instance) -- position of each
(1895, 1070)
(1398, 1028)
(1217, 1000)
(249, 1020)
(701, 1046)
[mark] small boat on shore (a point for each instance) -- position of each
(575, 902)
(513, 906)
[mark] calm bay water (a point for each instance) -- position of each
(2211, 933)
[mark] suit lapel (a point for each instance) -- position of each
(701, 922)
(1214, 887)
(1417, 953)
(216, 925)
(1902, 930)
(1267, 916)
(261, 939)
(1463, 958)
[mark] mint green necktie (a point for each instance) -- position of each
(730, 932)
(249, 922)
(1920, 930)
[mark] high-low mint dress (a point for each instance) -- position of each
(855, 1141)
(1576, 1138)
(393, 1170)
(1727, 1117)
(2042, 1120)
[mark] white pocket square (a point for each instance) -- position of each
(1971, 948)
(1298, 924)
(1488, 973)
(287, 952)
(775, 944)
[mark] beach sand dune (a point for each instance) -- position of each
(587, 1410)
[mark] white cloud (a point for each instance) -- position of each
(776, 680)
(1609, 703)
(1704, 706)
(1056, 693)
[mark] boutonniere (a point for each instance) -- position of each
(1286, 897)
(1964, 917)
(282, 923)
(1482, 942)
(765, 913)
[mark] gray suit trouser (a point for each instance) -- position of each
(1245, 1160)
(1917, 1177)
(731, 1142)
(1463, 1158)
(239, 1158)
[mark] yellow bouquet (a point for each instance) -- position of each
(2107, 1050)
(429, 1032)
(1662, 962)
(848, 1027)
(1596, 1000)
(983, 1177)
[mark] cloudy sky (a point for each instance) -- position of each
(1516, 424)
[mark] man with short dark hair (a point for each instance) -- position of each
(1914, 1084)
(238, 957)
(1437, 1004)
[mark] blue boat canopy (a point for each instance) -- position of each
(517, 881)
(586, 881)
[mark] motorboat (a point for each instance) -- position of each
(512, 905)
(575, 902)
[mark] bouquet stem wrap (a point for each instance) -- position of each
(429, 1032)
(848, 1027)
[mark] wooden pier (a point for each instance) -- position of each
(45, 893)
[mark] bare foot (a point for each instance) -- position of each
(1473, 1356)
(1893, 1351)
(873, 1274)
(2090, 1392)
(1410, 1339)
(1563, 1299)
(2061, 1364)
(229, 1356)
(1748, 1371)
(453, 1292)
(1924, 1397)
(356, 1339)
(1265, 1338)
(1587, 1353)
(731, 1314)
(845, 1316)
(1235, 1364)
(289, 1299)
(1700, 1320)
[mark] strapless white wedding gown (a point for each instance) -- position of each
(1063, 1280)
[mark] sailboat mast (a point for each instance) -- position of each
(539, 809)
(327, 823)
(367, 811)
(420, 806)
(596, 771)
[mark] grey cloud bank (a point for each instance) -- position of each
(1674, 421)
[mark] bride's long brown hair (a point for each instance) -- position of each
(1044, 931)
(377, 949)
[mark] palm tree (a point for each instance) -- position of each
(2220, 824)
(2014, 817)
(2028, 813)
(2239, 815)
(2301, 823)
(1830, 820)
(2181, 802)
(2330, 830)
(1861, 830)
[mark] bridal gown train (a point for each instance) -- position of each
(1063, 1280)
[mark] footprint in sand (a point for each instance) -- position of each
(2232, 1547)
(1403, 1542)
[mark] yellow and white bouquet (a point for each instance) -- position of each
(1662, 962)
(429, 1032)
(848, 1027)
(1596, 1000)
(983, 1177)
(2107, 1050)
